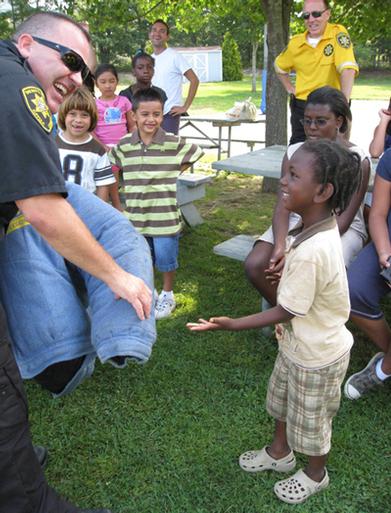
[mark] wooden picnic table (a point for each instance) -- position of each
(220, 123)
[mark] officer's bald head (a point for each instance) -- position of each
(45, 24)
(44, 40)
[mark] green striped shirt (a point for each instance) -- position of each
(150, 180)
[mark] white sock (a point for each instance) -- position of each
(379, 373)
(167, 294)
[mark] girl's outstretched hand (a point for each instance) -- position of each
(214, 323)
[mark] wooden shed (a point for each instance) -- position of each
(206, 61)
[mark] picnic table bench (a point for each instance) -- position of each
(191, 187)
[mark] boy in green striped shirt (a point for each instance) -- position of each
(151, 161)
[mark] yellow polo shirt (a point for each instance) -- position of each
(319, 66)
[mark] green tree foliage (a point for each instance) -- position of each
(368, 23)
(9, 20)
(19, 10)
(117, 28)
(204, 22)
(232, 64)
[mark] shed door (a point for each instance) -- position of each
(199, 63)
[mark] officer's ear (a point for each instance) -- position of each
(327, 14)
(24, 44)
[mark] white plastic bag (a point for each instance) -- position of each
(245, 110)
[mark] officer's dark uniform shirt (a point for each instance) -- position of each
(29, 159)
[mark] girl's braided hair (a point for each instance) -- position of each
(335, 164)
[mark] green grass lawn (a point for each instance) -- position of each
(372, 86)
(166, 437)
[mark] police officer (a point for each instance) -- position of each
(47, 59)
(322, 55)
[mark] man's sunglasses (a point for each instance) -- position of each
(318, 122)
(315, 14)
(70, 58)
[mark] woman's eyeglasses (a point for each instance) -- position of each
(315, 14)
(70, 58)
(318, 122)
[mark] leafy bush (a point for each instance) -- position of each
(232, 64)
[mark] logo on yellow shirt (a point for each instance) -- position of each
(344, 40)
(328, 50)
(17, 222)
(35, 101)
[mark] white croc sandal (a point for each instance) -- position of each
(299, 487)
(257, 461)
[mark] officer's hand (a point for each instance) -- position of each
(132, 289)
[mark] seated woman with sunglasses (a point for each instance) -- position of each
(326, 116)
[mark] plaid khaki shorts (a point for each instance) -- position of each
(307, 400)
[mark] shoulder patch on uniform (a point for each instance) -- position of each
(328, 50)
(35, 101)
(344, 40)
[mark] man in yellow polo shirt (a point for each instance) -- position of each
(322, 55)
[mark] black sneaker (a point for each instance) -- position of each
(42, 455)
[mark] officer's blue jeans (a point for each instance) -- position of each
(48, 322)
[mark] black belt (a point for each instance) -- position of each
(295, 101)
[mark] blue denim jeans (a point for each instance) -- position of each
(47, 320)
(366, 287)
(164, 252)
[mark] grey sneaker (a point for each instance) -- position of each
(362, 382)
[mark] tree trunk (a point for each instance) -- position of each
(278, 16)
(255, 45)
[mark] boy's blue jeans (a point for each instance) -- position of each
(48, 323)
(164, 251)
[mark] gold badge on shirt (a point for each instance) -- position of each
(343, 40)
(328, 50)
(35, 101)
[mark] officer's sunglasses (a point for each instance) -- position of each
(70, 58)
(315, 14)
(318, 122)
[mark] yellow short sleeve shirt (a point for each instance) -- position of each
(319, 66)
